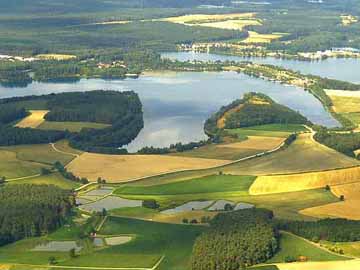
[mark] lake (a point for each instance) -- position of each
(346, 69)
(176, 105)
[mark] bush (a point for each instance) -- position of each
(152, 204)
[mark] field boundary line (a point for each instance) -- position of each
(63, 152)
(23, 178)
(93, 268)
(318, 245)
(280, 146)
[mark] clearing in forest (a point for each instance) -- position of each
(234, 21)
(255, 37)
(35, 119)
(122, 168)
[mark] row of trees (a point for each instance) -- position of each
(344, 143)
(235, 240)
(334, 230)
(32, 210)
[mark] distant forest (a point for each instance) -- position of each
(31, 210)
(122, 110)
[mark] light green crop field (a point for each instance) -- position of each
(294, 247)
(154, 239)
(12, 167)
(210, 184)
(40, 153)
(70, 126)
(55, 179)
(270, 130)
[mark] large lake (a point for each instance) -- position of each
(346, 69)
(176, 105)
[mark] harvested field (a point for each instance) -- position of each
(233, 151)
(117, 169)
(261, 38)
(333, 265)
(109, 203)
(256, 142)
(188, 207)
(206, 18)
(350, 208)
(303, 181)
(345, 104)
(232, 24)
(35, 119)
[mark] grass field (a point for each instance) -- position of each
(52, 179)
(115, 168)
(350, 208)
(210, 184)
(303, 181)
(12, 167)
(35, 119)
(294, 247)
(153, 239)
(236, 150)
(44, 153)
(349, 248)
(70, 126)
(271, 130)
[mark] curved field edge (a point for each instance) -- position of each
(303, 181)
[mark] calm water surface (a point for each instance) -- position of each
(346, 69)
(176, 105)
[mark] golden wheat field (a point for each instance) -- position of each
(117, 168)
(255, 37)
(35, 119)
(331, 265)
(234, 21)
(350, 208)
(303, 181)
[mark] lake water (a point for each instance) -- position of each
(176, 105)
(346, 69)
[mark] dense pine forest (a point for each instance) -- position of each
(31, 210)
(235, 240)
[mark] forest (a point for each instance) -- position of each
(32, 210)
(122, 110)
(235, 240)
(334, 230)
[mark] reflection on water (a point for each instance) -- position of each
(176, 106)
(346, 69)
